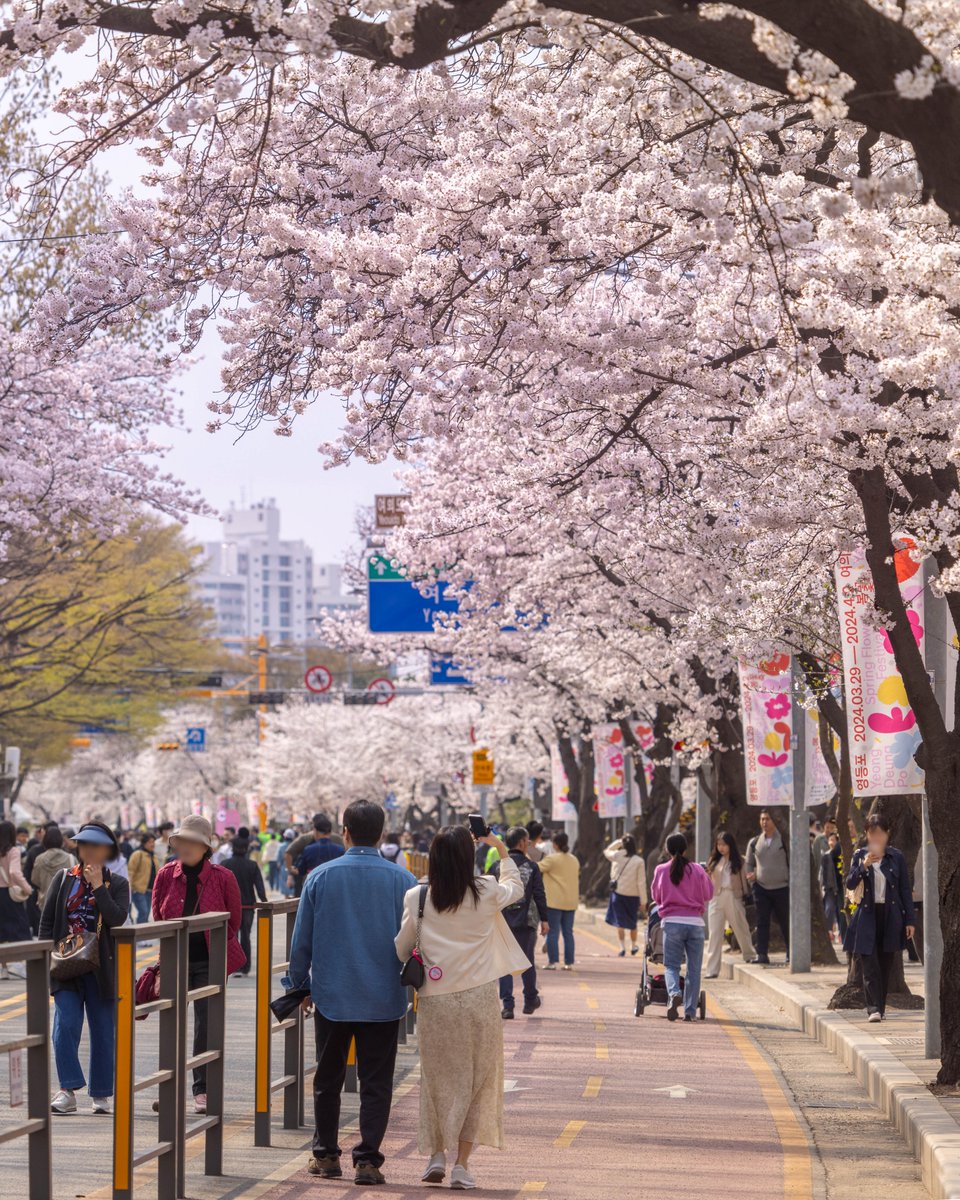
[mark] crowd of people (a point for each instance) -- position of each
(470, 928)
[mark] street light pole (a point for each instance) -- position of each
(799, 837)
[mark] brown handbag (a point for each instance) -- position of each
(77, 954)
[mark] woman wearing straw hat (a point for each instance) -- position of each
(186, 887)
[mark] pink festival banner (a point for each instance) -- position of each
(881, 725)
(563, 808)
(610, 773)
(765, 690)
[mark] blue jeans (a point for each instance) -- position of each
(680, 940)
(69, 1005)
(560, 919)
(141, 904)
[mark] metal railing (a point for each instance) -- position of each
(291, 1082)
(173, 1132)
(36, 1128)
(418, 863)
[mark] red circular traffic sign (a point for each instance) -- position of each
(318, 679)
(386, 689)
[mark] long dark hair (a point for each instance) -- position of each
(8, 837)
(450, 871)
(628, 845)
(677, 848)
(736, 862)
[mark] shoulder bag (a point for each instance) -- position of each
(78, 953)
(414, 974)
(17, 893)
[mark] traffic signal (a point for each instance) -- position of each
(169, 746)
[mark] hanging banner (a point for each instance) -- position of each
(765, 701)
(609, 774)
(881, 725)
(818, 785)
(563, 807)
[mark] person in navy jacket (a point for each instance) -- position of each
(885, 918)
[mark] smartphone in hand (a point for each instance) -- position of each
(478, 826)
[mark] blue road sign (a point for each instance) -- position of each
(196, 739)
(391, 800)
(396, 605)
(443, 670)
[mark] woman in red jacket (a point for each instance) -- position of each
(189, 885)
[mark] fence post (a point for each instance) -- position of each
(262, 1089)
(126, 964)
(216, 1041)
(171, 1117)
(183, 985)
(293, 1039)
(350, 1079)
(38, 1073)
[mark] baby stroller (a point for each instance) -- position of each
(653, 983)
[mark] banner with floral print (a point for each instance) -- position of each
(881, 725)
(563, 807)
(818, 785)
(765, 690)
(609, 772)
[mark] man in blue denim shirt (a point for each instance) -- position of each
(343, 951)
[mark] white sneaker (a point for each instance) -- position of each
(64, 1103)
(100, 1105)
(874, 1017)
(568, 966)
(461, 1179)
(436, 1169)
(550, 967)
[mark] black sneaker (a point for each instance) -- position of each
(531, 1008)
(327, 1167)
(761, 958)
(507, 1014)
(368, 1174)
(673, 1008)
(687, 1017)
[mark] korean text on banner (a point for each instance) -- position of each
(767, 745)
(610, 775)
(818, 784)
(881, 725)
(563, 807)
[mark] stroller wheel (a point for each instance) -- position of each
(640, 1002)
(703, 1006)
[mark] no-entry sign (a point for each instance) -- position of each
(318, 679)
(383, 689)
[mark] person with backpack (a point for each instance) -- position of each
(768, 869)
(250, 882)
(524, 917)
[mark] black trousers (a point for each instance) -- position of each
(198, 975)
(877, 966)
(376, 1059)
(246, 923)
(527, 940)
(771, 901)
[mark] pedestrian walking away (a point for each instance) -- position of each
(466, 947)
(681, 890)
(271, 860)
(831, 886)
(249, 879)
(728, 906)
(884, 919)
(628, 890)
(51, 860)
(142, 868)
(343, 955)
(321, 828)
(86, 899)
(561, 882)
(189, 885)
(322, 849)
(768, 869)
(14, 891)
(524, 917)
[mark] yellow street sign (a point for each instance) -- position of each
(482, 769)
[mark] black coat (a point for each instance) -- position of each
(249, 879)
(524, 913)
(113, 905)
(861, 933)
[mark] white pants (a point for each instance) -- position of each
(726, 909)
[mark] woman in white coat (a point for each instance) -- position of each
(730, 890)
(466, 946)
(628, 890)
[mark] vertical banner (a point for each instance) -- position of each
(765, 700)
(881, 725)
(818, 784)
(610, 776)
(563, 807)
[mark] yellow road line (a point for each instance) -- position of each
(592, 1002)
(533, 1186)
(797, 1156)
(570, 1132)
(584, 987)
(603, 1051)
(17, 1012)
(592, 1090)
(599, 1026)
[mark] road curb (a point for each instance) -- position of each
(901, 1095)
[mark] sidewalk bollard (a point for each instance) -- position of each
(36, 1128)
(411, 1018)
(291, 1083)
(350, 1079)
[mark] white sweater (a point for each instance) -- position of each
(470, 946)
(629, 874)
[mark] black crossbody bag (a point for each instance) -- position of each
(414, 973)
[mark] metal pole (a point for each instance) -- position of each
(483, 803)
(932, 941)
(261, 1112)
(703, 823)
(799, 839)
(38, 1074)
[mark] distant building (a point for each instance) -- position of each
(256, 582)
(329, 596)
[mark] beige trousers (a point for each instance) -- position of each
(726, 909)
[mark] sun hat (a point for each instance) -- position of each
(194, 829)
(94, 834)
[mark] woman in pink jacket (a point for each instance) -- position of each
(186, 887)
(681, 891)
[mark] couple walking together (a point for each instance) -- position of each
(357, 922)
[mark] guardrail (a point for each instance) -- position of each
(173, 1132)
(291, 1081)
(418, 863)
(36, 1128)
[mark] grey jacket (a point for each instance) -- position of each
(770, 863)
